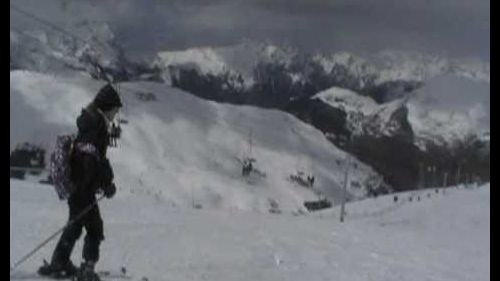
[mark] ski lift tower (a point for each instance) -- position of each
(346, 181)
(250, 143)
(248, 160)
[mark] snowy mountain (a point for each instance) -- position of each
(386, 100)
(86, 47)
(443, 124)
(435, 238)
(186, 150)
(439, 115)
(384, 76)
(238, 60)
(418, 66)
(393, 65)
(364, 115)
(392, 107)
(431, 112)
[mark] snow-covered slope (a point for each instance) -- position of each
(185, 150)
(348, 100)
(433, 239)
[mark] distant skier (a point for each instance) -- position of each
(310, 180)
(247, 167)
(90, 172)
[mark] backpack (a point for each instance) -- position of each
(60, 168)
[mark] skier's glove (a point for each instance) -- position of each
(107, 175)
(110, 190)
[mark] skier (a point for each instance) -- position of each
(310, 180)
(91, 173)
(247, 167)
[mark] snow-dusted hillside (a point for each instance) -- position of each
(185, 150)
(442, 238)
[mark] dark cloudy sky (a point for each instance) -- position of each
(456, 28)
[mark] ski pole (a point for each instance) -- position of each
(79, 216)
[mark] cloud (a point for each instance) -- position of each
(451, 27)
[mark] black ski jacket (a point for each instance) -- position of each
(88, 172)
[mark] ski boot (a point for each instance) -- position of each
(87, 272)
(57, 270)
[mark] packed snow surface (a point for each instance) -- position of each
(442, 238)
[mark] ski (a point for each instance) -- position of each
(104, 275)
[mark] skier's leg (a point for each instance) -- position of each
(95, 234)
(66, 243)
(93, 238)
(61, 257)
